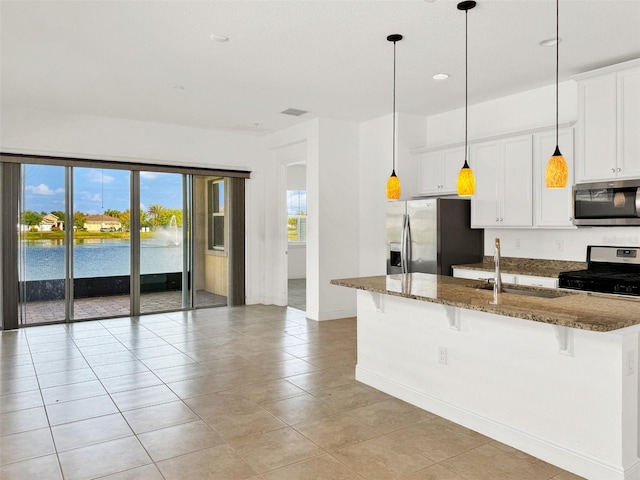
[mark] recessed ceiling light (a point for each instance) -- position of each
(550, 42)
(218, 38)
(441, 76)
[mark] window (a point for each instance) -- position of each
(216, 215)
(297, 216)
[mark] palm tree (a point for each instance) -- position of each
(112, 213)
(155, 212)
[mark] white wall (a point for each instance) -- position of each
(297, 253)
(297, 261)
(1, 246)
(297, 177)
(336, 174)
(86, 136)
(522, 111)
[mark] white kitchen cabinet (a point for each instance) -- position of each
(535, 281)
(482, 275)
(438, 171)
(552, 206)
(629, 123)
(504, 182)
(525, 280)
(608, 123)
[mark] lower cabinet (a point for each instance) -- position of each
(525, 280)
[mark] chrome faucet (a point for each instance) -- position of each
(497, 280)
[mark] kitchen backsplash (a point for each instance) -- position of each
(558, 244)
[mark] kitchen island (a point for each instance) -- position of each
(552, 373)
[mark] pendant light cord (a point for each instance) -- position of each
(394, 107)
(466, 81)
(557, 61)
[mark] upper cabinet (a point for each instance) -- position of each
(438, 171)
(608, 143)
(552, 206)
(504, 179)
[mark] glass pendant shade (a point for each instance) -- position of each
(393, 187)
(466, 181)
(557, 172)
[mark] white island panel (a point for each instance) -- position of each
(567, 396)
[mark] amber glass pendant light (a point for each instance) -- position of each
(393, 184)
(557, 171)
(466, 184)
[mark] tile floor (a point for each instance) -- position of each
(253, 392)
(50, 311)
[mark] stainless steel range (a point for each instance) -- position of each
(609, 270)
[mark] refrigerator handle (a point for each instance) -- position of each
(405, 245)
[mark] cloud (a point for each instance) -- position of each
(98, 176)
(42, 189)
(149, 175)
(90, 197)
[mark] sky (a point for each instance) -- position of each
(97, 190)
(296, 202)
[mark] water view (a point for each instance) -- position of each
(44, 259)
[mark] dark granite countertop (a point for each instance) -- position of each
(582, 310)
(526, 266)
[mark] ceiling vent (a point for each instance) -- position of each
(294, 111)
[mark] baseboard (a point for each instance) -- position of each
(331, 315)
(567, 459)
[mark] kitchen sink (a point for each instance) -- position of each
(529, 291)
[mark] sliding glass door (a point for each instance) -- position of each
(164, 242)
(101, 243)
(42, 255)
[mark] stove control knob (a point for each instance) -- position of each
(629, 289)
(616, 288)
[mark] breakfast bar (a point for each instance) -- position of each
(551, 372)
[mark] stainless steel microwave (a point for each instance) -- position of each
(614, 203)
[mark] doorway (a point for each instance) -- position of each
(297, 236)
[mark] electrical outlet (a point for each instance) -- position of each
(442, 355)
(517, 244)
(559, 245)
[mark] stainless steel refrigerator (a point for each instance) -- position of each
(430, 235)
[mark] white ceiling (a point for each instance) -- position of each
(155, 61)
